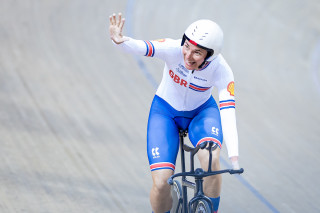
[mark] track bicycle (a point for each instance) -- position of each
(199, 203)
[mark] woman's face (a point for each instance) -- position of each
(193, 56)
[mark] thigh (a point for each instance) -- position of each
(162, 141)
(206, 126)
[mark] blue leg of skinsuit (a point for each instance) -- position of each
(163, 141)
(162, 137)
(201, 126)
(162, 134)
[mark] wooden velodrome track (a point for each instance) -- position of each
(73, 109)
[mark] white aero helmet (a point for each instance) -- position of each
(207, 35)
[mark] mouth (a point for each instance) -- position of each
(190, 63)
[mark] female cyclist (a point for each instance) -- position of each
(183, 100)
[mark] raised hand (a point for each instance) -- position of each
(115, 28)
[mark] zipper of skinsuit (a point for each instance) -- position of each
(185, 95)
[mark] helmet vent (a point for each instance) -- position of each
(204, 36)
(194, 30)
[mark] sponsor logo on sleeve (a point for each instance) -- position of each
(160, 40)
(230, 88)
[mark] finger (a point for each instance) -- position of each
(110, 20)
(119, 19)
(114, 21)
(122, 24)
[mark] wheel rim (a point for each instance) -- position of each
(201, 207)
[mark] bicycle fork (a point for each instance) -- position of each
(199, 194)
(198, 185)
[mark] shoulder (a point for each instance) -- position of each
(221, 61)
(221, 64)
(166, 42)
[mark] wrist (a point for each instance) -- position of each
(120, 41)
(116, 42)
(235, 162)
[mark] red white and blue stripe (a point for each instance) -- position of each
(162, 165)
(214, 140)
(198, 88)
(150, 49)
(227, 104)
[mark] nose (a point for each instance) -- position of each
(188, 54)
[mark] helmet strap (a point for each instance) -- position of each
(203, 63)
(209, 53)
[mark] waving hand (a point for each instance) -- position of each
(115, 28)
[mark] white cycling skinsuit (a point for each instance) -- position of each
(186, 90)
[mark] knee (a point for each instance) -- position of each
(160, 184)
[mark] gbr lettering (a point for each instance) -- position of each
(177, 79)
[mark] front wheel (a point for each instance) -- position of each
(176, 193)
(203, 207)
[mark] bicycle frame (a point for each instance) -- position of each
(198, 174)
(185, 182)
(198, 185)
